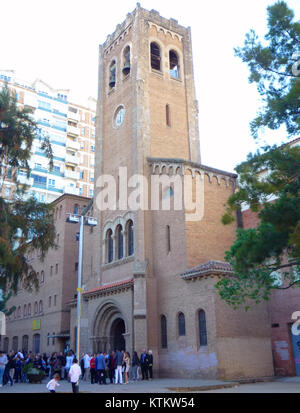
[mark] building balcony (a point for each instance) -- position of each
(72, 191)
(73, 116)
(72, 130)
(72, 174)
(72, 159)
(72, 144)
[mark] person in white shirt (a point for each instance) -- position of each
(74, 374)
(51, 386)
(87, 365)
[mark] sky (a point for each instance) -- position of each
(57, 41)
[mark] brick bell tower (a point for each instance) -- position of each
(146, 109)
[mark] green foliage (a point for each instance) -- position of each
(3, 302)
(270, 68)
(25, 224)
(269, 183)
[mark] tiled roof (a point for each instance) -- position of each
(209, 267)
(109, 287)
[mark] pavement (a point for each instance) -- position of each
(275, 385)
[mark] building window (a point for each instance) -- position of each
(119, 237)
(130, 238)
(6, 345)
(92, 148)
(163, 327)
(202, 328)
(41, 307)
(168, 239)
(19, 312)
(174, 64)
(55, 300)
(155, 56)
(25, 340)
(49, 302)
(112, 75)
(29, 310)
(7, 191)
(25, 311)
(109, 246)
(126, 61)
(36, 343)
(42, 277)
(15, 344)
(181, 324)
(56, 269)
(81, 175)
(51, 270)
(76, 209)
(168, 120)
(36, 308)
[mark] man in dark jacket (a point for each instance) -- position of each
(118, 366)
(111, 366)
(144, 365)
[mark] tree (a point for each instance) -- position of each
(25, 224)
(274, 67)
(269, 184)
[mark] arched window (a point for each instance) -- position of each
(25, 340)
(25, 311)
(168, 119)
(15, 344)
(163, 327)
(109, 246)
(119, 238)
(181, 324)
(19, 312)
(36, 308)
(41, 307)
(112, 75)
(36, 343)
(126, 60)
(76, 209)
(42, 277)
(155, 56)
(202, 328)
(29, 310)
(174, 65)
(130, 238)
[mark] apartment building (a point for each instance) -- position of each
(70, 128)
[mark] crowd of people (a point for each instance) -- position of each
(116, 367)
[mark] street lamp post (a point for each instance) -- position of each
(91, 222)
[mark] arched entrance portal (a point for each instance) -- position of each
(117, 337)
(110, 329)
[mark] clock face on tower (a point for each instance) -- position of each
(119, 116)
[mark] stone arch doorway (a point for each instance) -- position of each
(117, 332)
(110, 329)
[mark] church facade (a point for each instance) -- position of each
(150, 270)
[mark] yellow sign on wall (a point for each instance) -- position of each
(36, 325)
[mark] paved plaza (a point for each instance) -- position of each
(283, 385)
